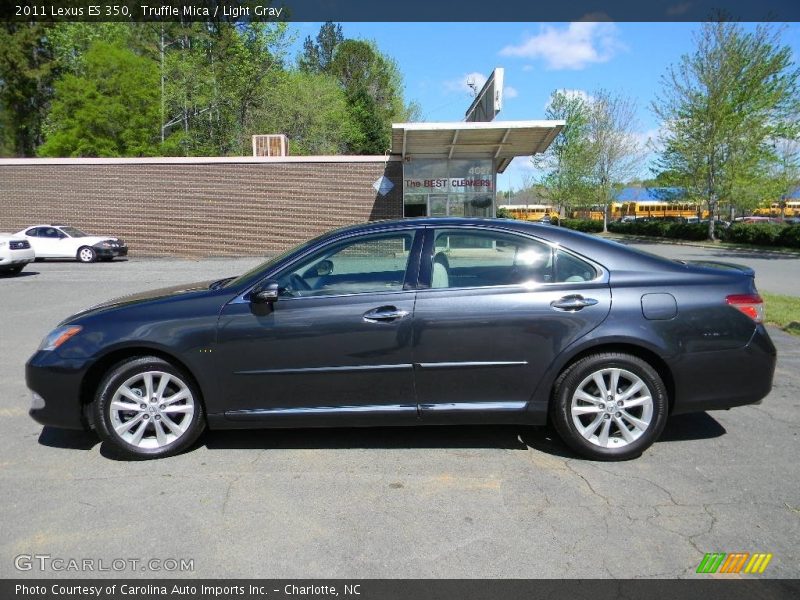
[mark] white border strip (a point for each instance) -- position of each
(195, 160)
(465, 126)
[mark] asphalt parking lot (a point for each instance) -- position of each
(506, 502)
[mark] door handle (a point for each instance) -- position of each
(572, 303)
(384, 313)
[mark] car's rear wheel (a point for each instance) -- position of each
(15, 270)
(148, 408)
(610, 406)
(86, 254)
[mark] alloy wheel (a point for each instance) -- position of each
(152, 409)
(612, 408)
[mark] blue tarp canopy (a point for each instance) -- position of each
(649, 194)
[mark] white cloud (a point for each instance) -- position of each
(582, 43)
(465, 83)
(650, 140)
(527, 68)
(510, 92)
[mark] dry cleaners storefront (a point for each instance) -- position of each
(450, 169)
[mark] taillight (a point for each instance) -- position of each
(750, 304)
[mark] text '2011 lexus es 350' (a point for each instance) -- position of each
(419, 321)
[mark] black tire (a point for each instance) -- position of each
(86, 254)
(105, 414)
(15, 270)
(582, 375)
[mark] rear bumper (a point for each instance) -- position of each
(17, 257)
(58, 383)
(724, 379)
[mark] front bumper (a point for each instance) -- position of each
(110, 252)
(724, 379)
(58, 382)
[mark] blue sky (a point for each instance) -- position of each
(436, 59)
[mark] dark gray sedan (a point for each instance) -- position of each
(419, 321)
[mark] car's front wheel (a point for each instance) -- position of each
(610, 406)
(148, 408)
(86, 254)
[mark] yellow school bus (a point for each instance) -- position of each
(774, 209)
(530, 212)
(595, 212)
(655, 209)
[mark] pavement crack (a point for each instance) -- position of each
(691, 538)
(791, 508)
(588, 484)
(658, 486)
(228, 492)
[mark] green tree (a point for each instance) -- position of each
(373, 88)
(216, 77)
(617, 152)
(722, 107)
(566, 167)
(26, 76)
(111, 109)
(317, 56)
(311, 109)
(69, 42)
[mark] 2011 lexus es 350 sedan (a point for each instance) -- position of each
(419, 321)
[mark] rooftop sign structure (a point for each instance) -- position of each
(489, 100)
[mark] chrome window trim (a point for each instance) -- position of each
(602, 277)
(414, 229)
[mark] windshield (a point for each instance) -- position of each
(73, 232)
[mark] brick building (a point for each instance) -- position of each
(225, 206)
(200, 206)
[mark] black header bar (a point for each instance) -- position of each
(398, 10)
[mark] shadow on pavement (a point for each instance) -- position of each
(695, 426)
(69, 439)
(503, 437)
(18, 275)
(492, 436)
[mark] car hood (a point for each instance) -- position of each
(91, 240)
(142, 297)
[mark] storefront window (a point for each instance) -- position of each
(456, 188)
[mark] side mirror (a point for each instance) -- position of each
(265, 293)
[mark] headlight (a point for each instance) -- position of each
(3, 244)
(58, 336)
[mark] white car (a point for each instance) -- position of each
(63, 241)
(15, 253)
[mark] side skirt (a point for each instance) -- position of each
(379, 415)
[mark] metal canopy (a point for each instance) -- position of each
(498, 140)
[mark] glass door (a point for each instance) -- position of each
(437, 205)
